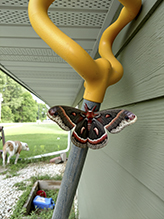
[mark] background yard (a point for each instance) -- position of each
(41, 138)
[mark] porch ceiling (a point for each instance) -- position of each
(30, 61)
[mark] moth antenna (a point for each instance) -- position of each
(86, 107)
(93, 109)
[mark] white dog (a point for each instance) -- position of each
(13, 147)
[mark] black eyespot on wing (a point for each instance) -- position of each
(126, 117)
(53, 111)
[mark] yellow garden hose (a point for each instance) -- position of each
(98, 74)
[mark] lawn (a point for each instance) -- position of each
(41, 138)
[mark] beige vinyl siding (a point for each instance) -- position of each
(125, 180)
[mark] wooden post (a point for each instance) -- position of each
(3, 136)
(3, 141)
(71, 176)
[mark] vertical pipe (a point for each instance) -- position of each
(71, 176)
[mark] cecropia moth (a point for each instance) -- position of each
(90, 126)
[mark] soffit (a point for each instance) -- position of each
(30, 61)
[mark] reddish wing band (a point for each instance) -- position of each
(80, 134)
(97, 137)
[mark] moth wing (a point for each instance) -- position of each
(66, 117)
(117, 119)
(80, 134)
(97, 136)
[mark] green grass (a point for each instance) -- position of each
(41, 138)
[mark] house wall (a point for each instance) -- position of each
(125, 180)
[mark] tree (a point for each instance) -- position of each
(11, 93)
(27, 112)
(42, 111)
(18, 104)
(7, 115)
